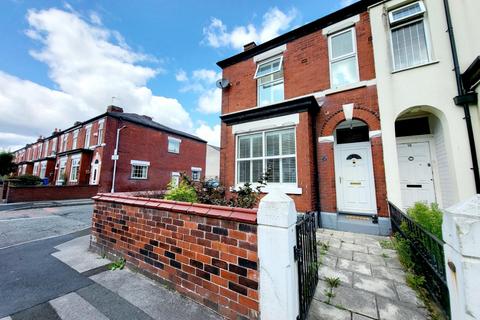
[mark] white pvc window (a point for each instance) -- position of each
(54, 146)
(139, 169)
(88, 132)
(175, 181)
(271, 152)
(64, 142)
(196, 173)
(75, 169)
(410, 46)
(61, 170)
(270, 83)
(174, 145)
(45, 150)
(43, 169)
(75, 139)
(343, 58)
(100, 132)
(35, 168)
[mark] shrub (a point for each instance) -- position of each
(429, 217)
(26, 180)
(184, 192)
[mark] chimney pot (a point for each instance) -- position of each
(249, 46)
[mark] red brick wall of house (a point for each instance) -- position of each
(208, 253)
(306, 71)
(134, 145)
(45, 193)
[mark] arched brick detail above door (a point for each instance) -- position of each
(371, 118)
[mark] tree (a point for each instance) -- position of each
(6, 163)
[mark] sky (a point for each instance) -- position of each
(62, 62)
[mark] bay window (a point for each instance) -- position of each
(269, 77)
(343, 58)
(408, 36)
(269, 152)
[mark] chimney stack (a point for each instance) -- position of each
(112, 108)
(249, 46)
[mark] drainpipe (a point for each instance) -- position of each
(115, 158)
(316, 182)
(462, 92)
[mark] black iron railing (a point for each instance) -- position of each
(306, 256)
(427, 253)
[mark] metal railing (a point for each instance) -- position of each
(306, 257)
(427, 253)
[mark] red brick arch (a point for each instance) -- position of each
(369, 117)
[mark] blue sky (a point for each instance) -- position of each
(64, 61)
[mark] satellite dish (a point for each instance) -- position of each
(223, 83)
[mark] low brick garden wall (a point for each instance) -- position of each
(208, 253)
(46, 193)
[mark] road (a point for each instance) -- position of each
(21, 226)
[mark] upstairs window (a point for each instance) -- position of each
(174, 145)
(75, 138)
(408, 36)
(269, 77)
(100, 132)
(139, 169)
(343, 58)
(54, 146)
(64, 142)
(88, 132)
(45, 150)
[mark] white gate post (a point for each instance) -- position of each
(276, 220)
(461, 233)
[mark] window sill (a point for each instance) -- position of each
(138, 178)
(416, 66)
(172, 152)
(285, 188)
(348, 87)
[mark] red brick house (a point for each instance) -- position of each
(150, 155)
(304, 108)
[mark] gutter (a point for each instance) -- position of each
(462, 97)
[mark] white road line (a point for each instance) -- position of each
(45, 238)
(73, 307)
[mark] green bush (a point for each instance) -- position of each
(26, 180)
(429, 217)
(184, 192)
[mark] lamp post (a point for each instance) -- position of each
(115, 158)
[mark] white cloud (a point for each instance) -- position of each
(274, 22)
(345, 3)
(89, 65)
(210, 134)
(181, 76)
(202, 81)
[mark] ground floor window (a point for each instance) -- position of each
(61, 176)
(196, 173)
(270, 152)
(175, 181)
(43, 169)
(75, 169)
(139, 169)
(35, 168)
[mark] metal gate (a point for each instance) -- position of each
(306, 257)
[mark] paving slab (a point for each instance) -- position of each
(75, 254)
(368, 258)
(355, 300)
(393, 263)
(407, 294)
(378, 286)
(330, 261)
(354, 247)
(323, 311)
(391, 310)
(341, 253)
(73, 307)
(382, 252)
(344, 276)
(355, 266)
(397, 275)
(360, 317)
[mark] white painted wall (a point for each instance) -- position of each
(430, 87)
(212, 170)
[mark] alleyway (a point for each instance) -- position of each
(372, 282)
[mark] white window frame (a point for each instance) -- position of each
(43, 169)
(75, 139)
(88, 134)
(354, 53)
(62, 164)
(45, 150)
(75, 160)
(273, 82)
(290, 186)
(54, 146)
(35, 168)
(175, 179)
(405, 21)
(100, 131)
(174, 140)
(139, 163)
(64, 142)
(196, 170)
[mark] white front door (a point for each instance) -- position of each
(416, 177)
(95, 171)
(354, 178)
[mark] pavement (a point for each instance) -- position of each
(44, 204)
(57, 277)
(372, 281)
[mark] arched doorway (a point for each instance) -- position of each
(422, 158)
(355, 185)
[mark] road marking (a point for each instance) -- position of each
(44, 238)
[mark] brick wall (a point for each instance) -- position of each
(46, 193)
(208, 253)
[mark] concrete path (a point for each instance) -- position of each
(75, 284)
(372, 281)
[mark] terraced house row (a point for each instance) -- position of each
(116, 151)
(373, 103)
